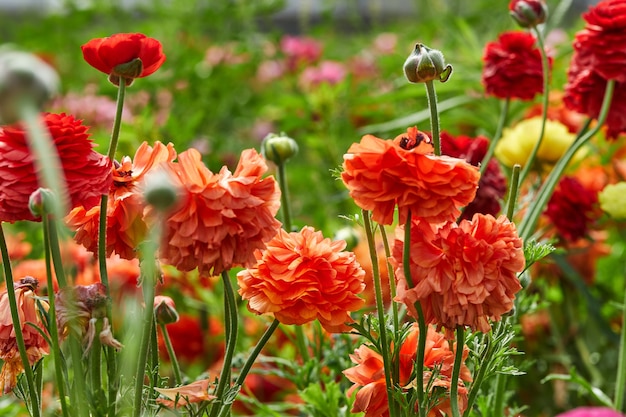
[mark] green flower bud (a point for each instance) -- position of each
(165, 310)
(528, 13)
(41, 202)
(278, 148)
(24, 77)
(349, 235)
(159, 191)
(128, 71)
(425, 64)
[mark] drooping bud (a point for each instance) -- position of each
(165, 310)
(528, 13)
(159, 191)
(426, 64)
(278, 148)
(24, 76)
(128, 71)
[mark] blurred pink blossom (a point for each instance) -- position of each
(224, 54)
(300, 50)
(269, 71)
(385, 43)
(591, 412)
(330, 72)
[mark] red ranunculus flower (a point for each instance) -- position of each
(513, 66)
(87, 173)
(127, 55)
(584, 93)
(492, 184)
(572, 208)
(601, 45)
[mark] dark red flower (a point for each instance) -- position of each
(492, 184)
(572, 209)
(528, 13)
(127, 55)
(601, 45)
(584, 93)
(513, 66)
(87, 173)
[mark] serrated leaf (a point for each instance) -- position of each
(535, 251)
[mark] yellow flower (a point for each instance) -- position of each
(613, 200)
(517, 143)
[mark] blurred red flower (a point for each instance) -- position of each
(601, 45)
(584, 93)
(126, 227)
(222, 218)
(492, 184)
(87, 173)
(111, 55)
(195, 340)
(572, 208)
(513, 66)
(34, 341)
(368, 375)
(302, 276)
(381, 174)
(463, 273)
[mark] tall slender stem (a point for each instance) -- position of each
(545, 66)
(513, 190)
(17, 326)
(382, 322)
(231, 342)
(392, 280)
(434, 116)
(496, 136)
(456, 371)
(172, 354)
(545, 192)
(284, 197)
(620, 382)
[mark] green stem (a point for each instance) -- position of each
(392, 281)
(95, 356)
(513, 190)
(301, 342)
(250, 361)
(284, 197)
(52, 325)
(620, 383)
(484, 364)
(534, 211)
(434, 116)
(117, 123)
(498, 407)
(233, 324)
(384, 346)
(545, 66)
(497, 135)
(456, 371)
(170, 352)
(148, 273)
(17, 325)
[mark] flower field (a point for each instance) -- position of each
(206, 211)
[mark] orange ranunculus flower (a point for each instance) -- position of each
(126, 227)
(302, 276)
(195, 392)
(36, 345)
(221, 219)
(463, 273)
(87, 173)
(381, 174)
(368, 375)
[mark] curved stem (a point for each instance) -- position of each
(458, 359)
(534, 211)
(117, 123)
(497, 135)
(620, 382)
(545, 66)
(434, 116)
(384, 346)
(250, 361)
(513, 190)
(170, 352)
(233, 326)
(17, 325)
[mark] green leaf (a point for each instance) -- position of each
(535, 251)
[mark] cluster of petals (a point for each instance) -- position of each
(369, 378)
(107, 54)
(512, 66)
(600, 55)
(382, 174)
(34, 341)
(220, 219)
(301, 277)
(492, 184)
(126, 224)
(195, 392)
(464, 274)
(572, 209)
(86, 173)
